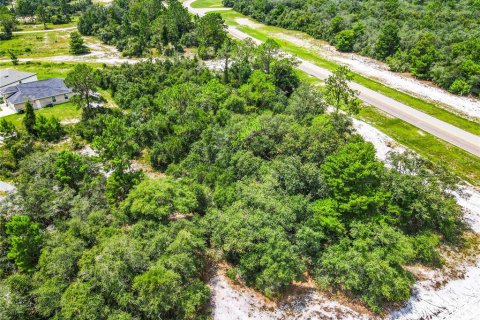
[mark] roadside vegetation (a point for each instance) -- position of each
(410, 36)
(265, 32)
(35, 45)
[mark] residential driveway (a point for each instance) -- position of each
(5, 111)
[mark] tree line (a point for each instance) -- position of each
(258, 172)
(434, 40)
(139, 28)
(44, 11)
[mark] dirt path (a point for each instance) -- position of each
(48, 30)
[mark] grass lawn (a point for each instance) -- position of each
(36, 45)
(207, 4)
(64, 111)
(264, 32)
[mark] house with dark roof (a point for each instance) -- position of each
(11, 77)
(40, 94)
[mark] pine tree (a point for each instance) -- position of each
(77, 45)
(29, 119)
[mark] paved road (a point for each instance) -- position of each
(458, 137)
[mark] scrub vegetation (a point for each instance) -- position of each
(255, 168)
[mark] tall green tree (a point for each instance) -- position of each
(25, 242)
(29, 120)
(77, 45)
(82, 81)
(339, 93)
(266, 54)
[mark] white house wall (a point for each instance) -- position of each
(41, 103)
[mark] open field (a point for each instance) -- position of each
(207, 4)
(35, 45)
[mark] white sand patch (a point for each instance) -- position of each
(457, 300)
(6, 187)
(70, 121)
(238, 303)
(88, 152)
(383, 143)
(247, 22)
(471, 203)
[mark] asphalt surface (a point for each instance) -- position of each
(447, 132)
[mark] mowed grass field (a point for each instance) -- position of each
(207, 4)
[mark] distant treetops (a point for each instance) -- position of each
(434, 40)
(139, 28)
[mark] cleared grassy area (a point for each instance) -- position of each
(50, 26)
(45, 70)
(36, 45)
(207, 4)
(64, 111)
(263, 32)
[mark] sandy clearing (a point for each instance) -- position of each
(6, 187)
(235, 302)
(70, 121)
